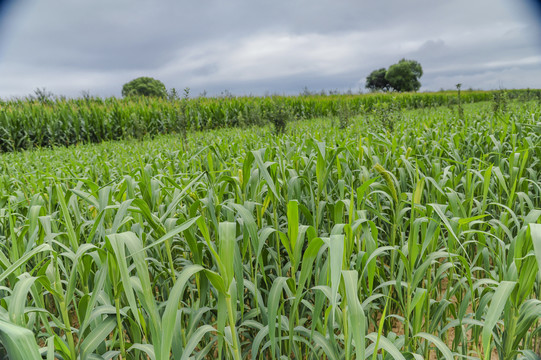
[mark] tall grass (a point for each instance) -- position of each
(318, 243)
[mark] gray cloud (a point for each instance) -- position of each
(253, 47)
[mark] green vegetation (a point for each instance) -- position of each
(376, 80)
(402, 76)
(405, 75)
(410, 234)
(144, 86)
(45, 122)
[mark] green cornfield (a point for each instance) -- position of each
(47, 122)
(412, 233)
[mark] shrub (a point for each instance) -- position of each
(279, 114)
(344, 115)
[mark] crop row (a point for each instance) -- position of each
(26, 124)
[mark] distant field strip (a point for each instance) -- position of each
(46, 122)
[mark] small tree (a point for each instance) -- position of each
(404, 75)
(144, 86)
(377, 81)
(344, 114)
(279, 115)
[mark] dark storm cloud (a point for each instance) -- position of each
(248, 46)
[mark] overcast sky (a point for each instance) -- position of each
(264, 46)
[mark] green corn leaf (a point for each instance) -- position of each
(535, 232)
(263, 168)
(194, 340)
(226, 250)
(119, 250)
(23, 259)
(177, 230)
(170, 313)
(494, 313)
(385, 344)
(336, 248)
(356, 317)
(96, 336)
(447, 354)
(19, 342)
(272, 307)
(18, 299)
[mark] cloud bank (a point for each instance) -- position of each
(251, 47)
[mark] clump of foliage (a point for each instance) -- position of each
(344, 115)
(278, 114)
(500, 102)
(144, 86)
(377, 81)
(251, 115)
(405, 75)
(387, 114)
(138, 128)
(402, 76)
(182, 115)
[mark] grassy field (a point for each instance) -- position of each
(410, 234)
(46, 121)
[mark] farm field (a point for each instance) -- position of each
(45, 121)
(409, 234)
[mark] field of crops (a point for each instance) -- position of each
(410, 234)
(48, 121)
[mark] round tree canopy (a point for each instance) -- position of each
(404, 75)
(144, 86)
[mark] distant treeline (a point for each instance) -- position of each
(49, 121)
